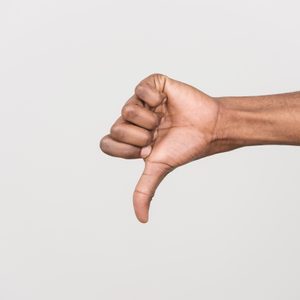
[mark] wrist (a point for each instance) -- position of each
(226, 136)
(257, 120)
(244, 121)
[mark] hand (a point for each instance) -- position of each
(167, 123)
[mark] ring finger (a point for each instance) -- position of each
(125, 132)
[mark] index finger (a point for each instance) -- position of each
(151, 90)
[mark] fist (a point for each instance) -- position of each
(167, 123)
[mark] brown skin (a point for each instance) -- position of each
(169, 123)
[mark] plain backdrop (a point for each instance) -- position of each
(224, 227)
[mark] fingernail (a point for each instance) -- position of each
(146, 151)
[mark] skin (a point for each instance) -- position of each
(169, 123)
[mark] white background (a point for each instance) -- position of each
(225, 227)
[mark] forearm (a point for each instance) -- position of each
(257, 120)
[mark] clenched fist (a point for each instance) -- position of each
(167, 123)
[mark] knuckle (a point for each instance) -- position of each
(139, 90)
(104, 144)
(156, 74)
(128, 112)
(116, 131)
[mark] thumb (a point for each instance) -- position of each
(153, 174)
